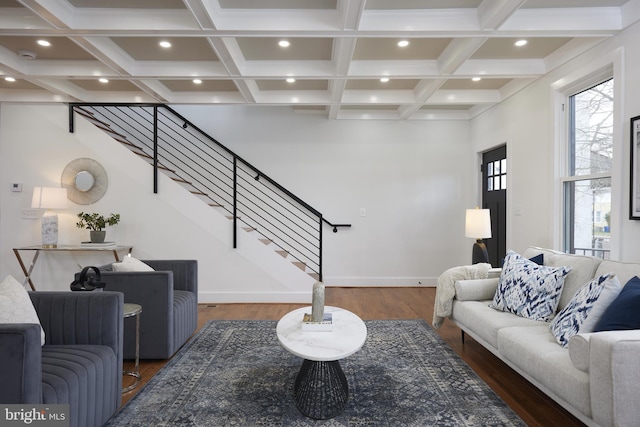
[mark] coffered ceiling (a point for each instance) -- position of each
(338, 52)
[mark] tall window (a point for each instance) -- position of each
(587, 186)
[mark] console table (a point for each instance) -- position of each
(66, 249)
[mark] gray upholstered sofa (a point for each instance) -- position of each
(169, 300)
(80, 363)
(596, 377)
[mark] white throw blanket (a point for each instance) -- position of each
(446, 290)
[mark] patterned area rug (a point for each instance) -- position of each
(234, 373)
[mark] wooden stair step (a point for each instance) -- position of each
(301, 265)
(282, 253)
(198, 193)
(180, 180)
(216, 205)
(315, 276)
(266, 241)
(249, 229)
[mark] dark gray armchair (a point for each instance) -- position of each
(169, 300)
(80, 363)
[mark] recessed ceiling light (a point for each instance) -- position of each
(44, 43)
(103, 80)
(284, 43)
(10, 79)
(165, 44)
(403, 43)
(197, 81)
(476, 79)
(521, 43)
(384, 79)
(291, 80)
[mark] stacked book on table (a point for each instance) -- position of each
(325, 325)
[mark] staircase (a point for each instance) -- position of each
(253, 202)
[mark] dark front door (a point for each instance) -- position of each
(494, 198)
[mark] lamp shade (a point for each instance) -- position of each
(478, 224)
(49, 198)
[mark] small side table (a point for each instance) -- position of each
(321, 390)
(134, 310)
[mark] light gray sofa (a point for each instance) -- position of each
(80, 363)
(596, 377)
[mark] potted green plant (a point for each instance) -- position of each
(96, 223)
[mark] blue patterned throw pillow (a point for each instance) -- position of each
(527, 289)
(571, 318)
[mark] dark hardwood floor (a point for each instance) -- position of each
(533, 406)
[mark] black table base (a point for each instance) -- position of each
(321, 390)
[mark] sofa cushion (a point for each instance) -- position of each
(571, 318)
(130, 263)
(534, 351)
(622, 313)
(583, 269)
(624, 270)
(83, 377)
(484, 321)
(528, 289)
(16, 306)
(579, 351)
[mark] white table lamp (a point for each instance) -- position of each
(478, 226)
(49, 198)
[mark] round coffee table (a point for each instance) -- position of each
(321, 390)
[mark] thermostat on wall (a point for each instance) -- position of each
(16, 187)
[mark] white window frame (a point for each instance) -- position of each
(603, 68)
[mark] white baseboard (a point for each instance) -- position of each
(254, 297)
(380, 282)
(305, 297)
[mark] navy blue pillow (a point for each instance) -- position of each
(538, 259)
(623, 312)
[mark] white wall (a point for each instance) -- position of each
(529, 121)
(413, 178)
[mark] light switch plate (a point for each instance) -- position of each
(30, 214)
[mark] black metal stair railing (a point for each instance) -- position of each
(253, 201)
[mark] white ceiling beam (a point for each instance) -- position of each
(201, 13)
(630, 13)
(423, 91)
(457, 52)
(351, 11)
(57, 13)
(576, 20)
(107, 52)
(493, 13)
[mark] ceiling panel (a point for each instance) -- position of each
(204, 86)
(371, 49)
(338, 51)
(61, 47)
(182, 48)
(421, 4)
(468, 84)
(377, 85)
(505, 48)
(110, 86)
(129, 4)
(278, 4)
(300, 49)
(297, 85)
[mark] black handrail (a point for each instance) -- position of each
(211, 170)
